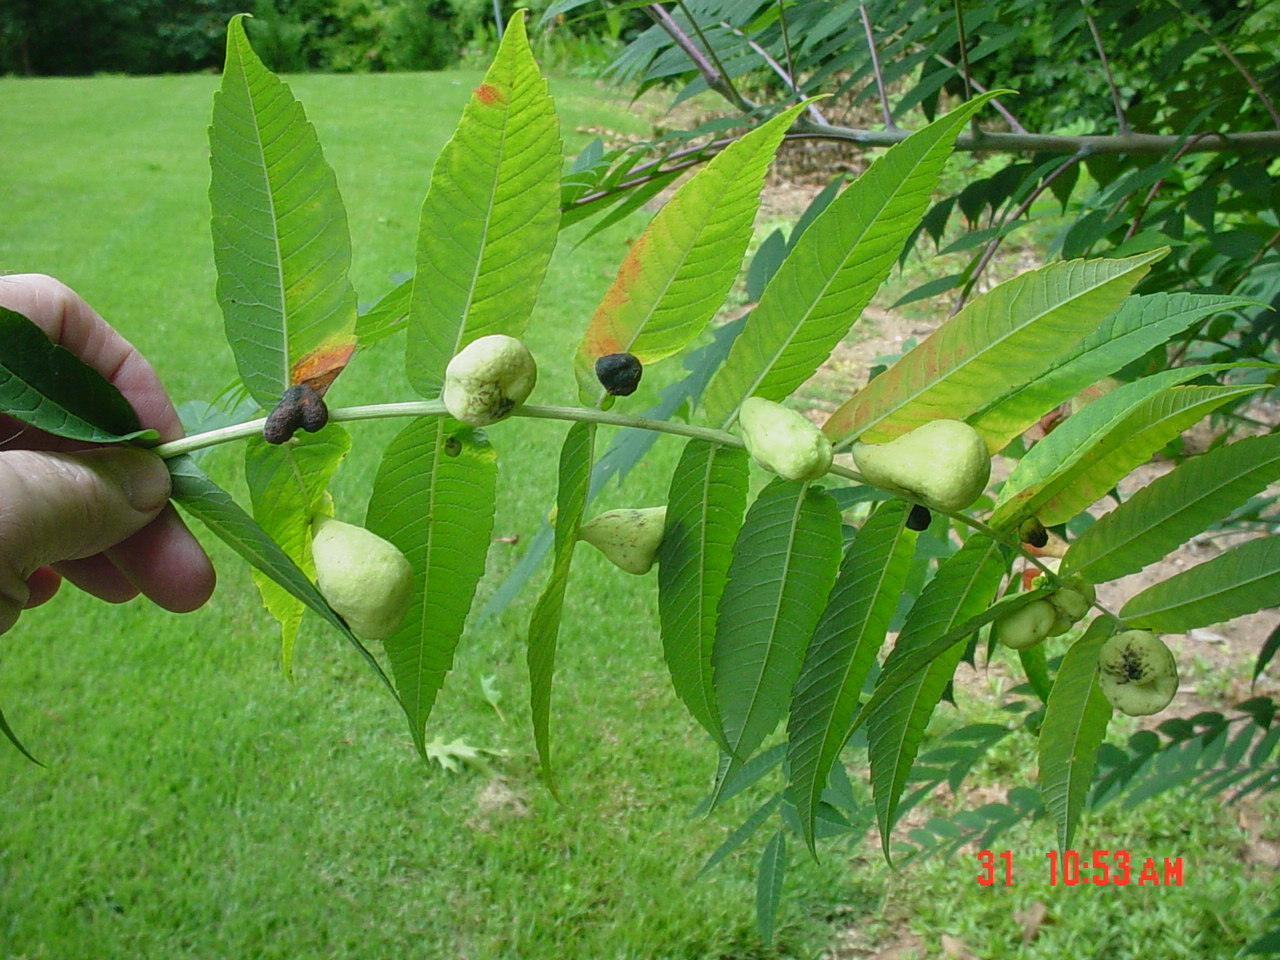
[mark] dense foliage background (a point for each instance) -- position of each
(76, 37)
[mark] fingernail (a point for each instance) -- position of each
(142, 476)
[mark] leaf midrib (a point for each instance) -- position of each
(898, 775)
(494, 182)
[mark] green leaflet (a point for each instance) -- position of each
(962, 589)
(1014, 333)
(844, 646)
(386, 317)
(490, 217)
(773, 867)
(1244, 579)
(677, 273)
(1036, 668)
(544, 625)
(1075, 721)
(1173, 508)
(286, 485)
(1084, 457)
(707, 497)
(784, 563)
(1141, 323)
(215, 508)
(438, 510)
(280, 239)
(48, 387)
(833, 270)
(741, 833)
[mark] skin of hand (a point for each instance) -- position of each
(98, 516)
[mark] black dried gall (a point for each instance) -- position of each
(314, 413)
(619, 373)
(919, 518)
(299, 406)
(1033, 532)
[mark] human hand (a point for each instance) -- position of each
(98, 516)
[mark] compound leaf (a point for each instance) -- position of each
(1141, 323)
(678, 271)
(1075, 721)
(773, 867)
(1174, 508)
(962, 589)
(544, 625)
(225, 518)
(286, 485)
(1015, 332)
(1084, 457)
(48, 387)
(844, 646)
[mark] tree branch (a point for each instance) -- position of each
(875, 69)
(996, 104)
(1263, 141)
(964, 66)
(1266, 142)
(1106, 68)
(713, 76)
(783, 72)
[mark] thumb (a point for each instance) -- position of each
(56, 506)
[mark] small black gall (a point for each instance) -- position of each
(619, 373)
(919, 518)
(1033, 532)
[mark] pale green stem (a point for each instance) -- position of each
(435, 408)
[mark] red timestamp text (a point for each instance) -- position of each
(1099, 868)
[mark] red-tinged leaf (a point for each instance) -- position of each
(318, 368)
(677, 273)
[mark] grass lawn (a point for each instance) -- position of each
(197, 805)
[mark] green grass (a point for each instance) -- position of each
(197, 805)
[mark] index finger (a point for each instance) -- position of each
(67, 320)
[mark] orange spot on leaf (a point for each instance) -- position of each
(486, 94)
(604, 335)
(321, 366)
